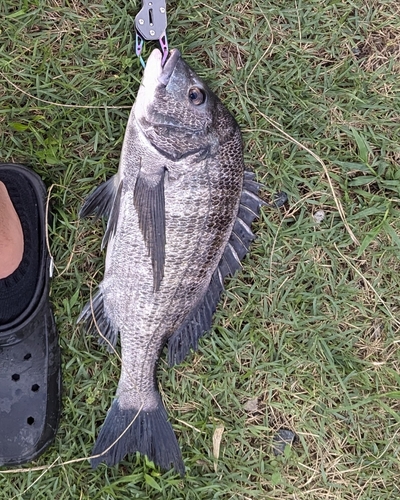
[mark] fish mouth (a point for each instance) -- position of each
(169, 66)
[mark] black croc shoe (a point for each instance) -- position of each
(30, 375)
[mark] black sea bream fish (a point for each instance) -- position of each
(179, 213)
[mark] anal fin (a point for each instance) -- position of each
(96, 320)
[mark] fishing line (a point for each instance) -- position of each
(45, 468)
(24, 92)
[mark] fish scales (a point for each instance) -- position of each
(172, 210)
(145, 318)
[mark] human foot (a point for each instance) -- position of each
(11, 235)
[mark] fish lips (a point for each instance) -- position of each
(155, 77)
(156, 74)
(169, 66)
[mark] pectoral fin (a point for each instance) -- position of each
(149, 202)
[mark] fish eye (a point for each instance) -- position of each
(197, 96)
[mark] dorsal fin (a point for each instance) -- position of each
(197, 323)
(241, 237)
(199, 320)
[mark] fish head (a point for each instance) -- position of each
(177, 112)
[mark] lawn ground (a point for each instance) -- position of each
(306, 336)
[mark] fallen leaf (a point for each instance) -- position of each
(251, 405)
(217, 437)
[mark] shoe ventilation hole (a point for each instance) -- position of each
(28, 356)
(30, 420)
(35, 387)
(15, 377)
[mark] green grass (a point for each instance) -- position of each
(308, 331)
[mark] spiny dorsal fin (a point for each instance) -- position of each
(149, 202)
(199, 320)
(241, 237)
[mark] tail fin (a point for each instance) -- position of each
(130, 430)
